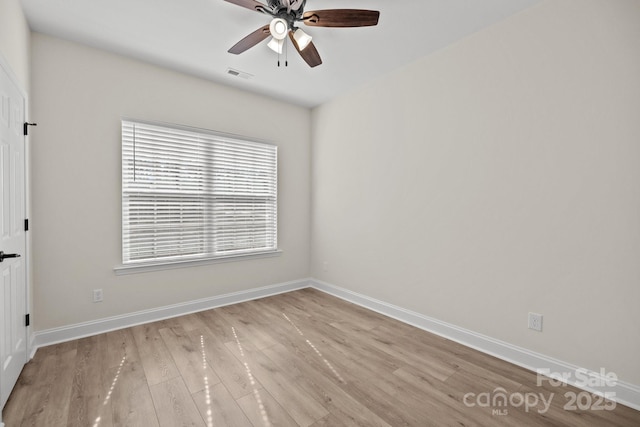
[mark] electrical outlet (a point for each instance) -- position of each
(535, 321)
(97, 295)
(325, 266)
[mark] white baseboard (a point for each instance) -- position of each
(85, 329)
(31, 350)
(625, 393)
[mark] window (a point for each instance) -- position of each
(190, 194)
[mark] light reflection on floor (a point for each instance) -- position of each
(252, 381)
(315, 349)
(207, 390)
(96, 423)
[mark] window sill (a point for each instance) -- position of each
(167, 265)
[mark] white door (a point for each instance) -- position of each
(13, 289)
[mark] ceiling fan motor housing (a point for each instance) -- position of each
(290, 10)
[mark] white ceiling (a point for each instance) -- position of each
(193, 36)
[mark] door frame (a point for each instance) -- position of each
(29, 337)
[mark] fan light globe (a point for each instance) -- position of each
(302, 39)
(278, 28)
(276, 45)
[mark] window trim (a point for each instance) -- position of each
(145, 267)
(160, 264)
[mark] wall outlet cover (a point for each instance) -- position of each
(535, 321)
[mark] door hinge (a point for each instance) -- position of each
(26, 224)
(27, 321)
(26, 127)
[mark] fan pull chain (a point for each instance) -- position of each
(286, 55)
(279, 55)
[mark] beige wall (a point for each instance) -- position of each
(14, 39)
(497, 177)
(79, 97)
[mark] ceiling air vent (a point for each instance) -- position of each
(238, 73)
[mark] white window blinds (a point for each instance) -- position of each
(190, 194)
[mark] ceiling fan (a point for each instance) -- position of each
(287, 13)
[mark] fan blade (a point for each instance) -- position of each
(341, 18)
(249, 4)
(309, 54)
(251, 40)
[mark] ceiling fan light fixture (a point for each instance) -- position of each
(284, 16)
(278, 28)
(302, 39)
(276, 45)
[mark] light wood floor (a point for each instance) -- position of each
(297, 359)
